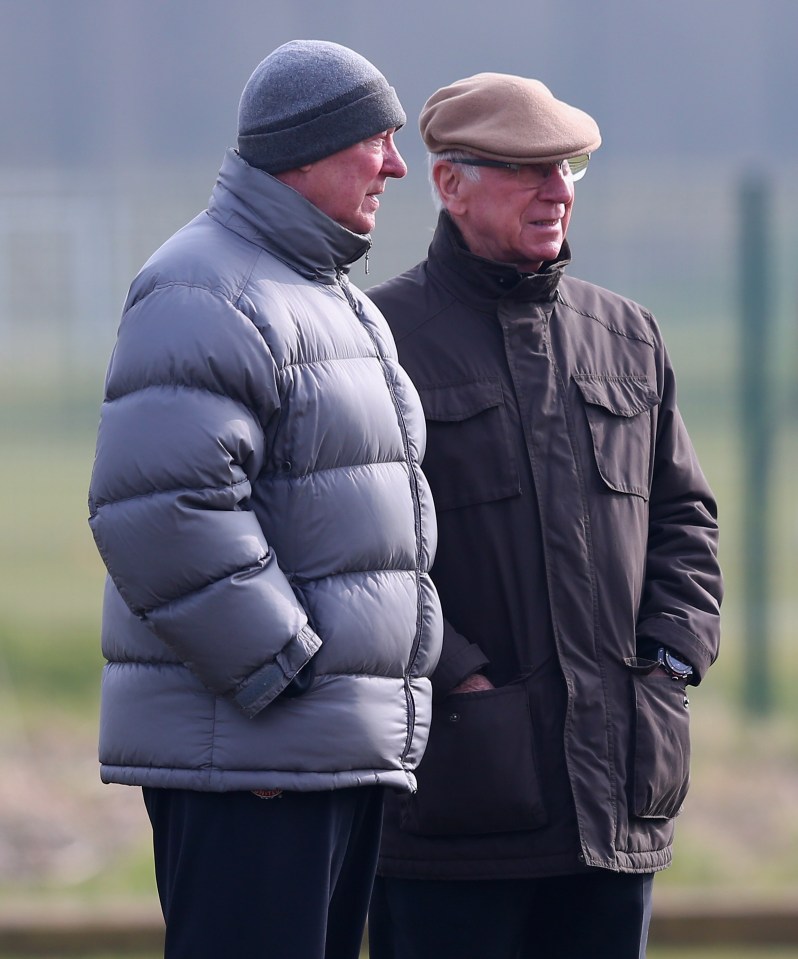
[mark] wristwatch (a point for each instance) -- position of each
(673, 666)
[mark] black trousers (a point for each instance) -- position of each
(593, 915)
(283, 878)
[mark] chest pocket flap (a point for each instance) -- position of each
(450, 404)
(618, 412)
(470, 458)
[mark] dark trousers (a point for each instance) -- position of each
(595, 915)
(283, 878)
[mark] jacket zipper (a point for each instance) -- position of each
(344, 285)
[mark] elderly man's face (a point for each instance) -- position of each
(347, 185)
(519, 218)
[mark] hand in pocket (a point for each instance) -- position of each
(478, 773)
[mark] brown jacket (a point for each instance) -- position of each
(577, 534)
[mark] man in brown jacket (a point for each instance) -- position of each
(577, 562)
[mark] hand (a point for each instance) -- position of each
(474, 683)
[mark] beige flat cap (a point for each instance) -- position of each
(502, 117)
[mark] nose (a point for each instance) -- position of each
(558, 186)
(392, 162)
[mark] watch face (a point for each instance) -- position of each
(676, 667)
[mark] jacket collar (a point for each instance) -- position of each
(484, 282)
(266, 211)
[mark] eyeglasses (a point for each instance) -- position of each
(575, 167)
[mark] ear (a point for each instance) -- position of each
(450, 183)
(294, 178)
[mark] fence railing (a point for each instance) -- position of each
(119, 929)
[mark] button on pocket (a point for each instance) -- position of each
(478, 774)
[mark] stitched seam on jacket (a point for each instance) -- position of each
(295, 364)
(208, 584)
(344, 466)
(629, 335)
(179, 385)
(170, 491)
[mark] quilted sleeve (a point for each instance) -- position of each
(190, 396)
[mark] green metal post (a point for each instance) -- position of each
(757, 437)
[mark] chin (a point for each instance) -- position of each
(359, 225)
(550, 253)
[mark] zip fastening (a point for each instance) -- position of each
(343, 282)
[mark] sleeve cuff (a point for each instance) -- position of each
(266, 683)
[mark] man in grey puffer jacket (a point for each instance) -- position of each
(269, 622)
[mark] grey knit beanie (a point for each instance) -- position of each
(309, 99)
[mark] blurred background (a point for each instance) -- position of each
(115, 116)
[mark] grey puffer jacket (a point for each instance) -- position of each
(258, 502)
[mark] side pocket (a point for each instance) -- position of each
(661, 755)
(478, 773)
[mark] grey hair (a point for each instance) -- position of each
(469, 172)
